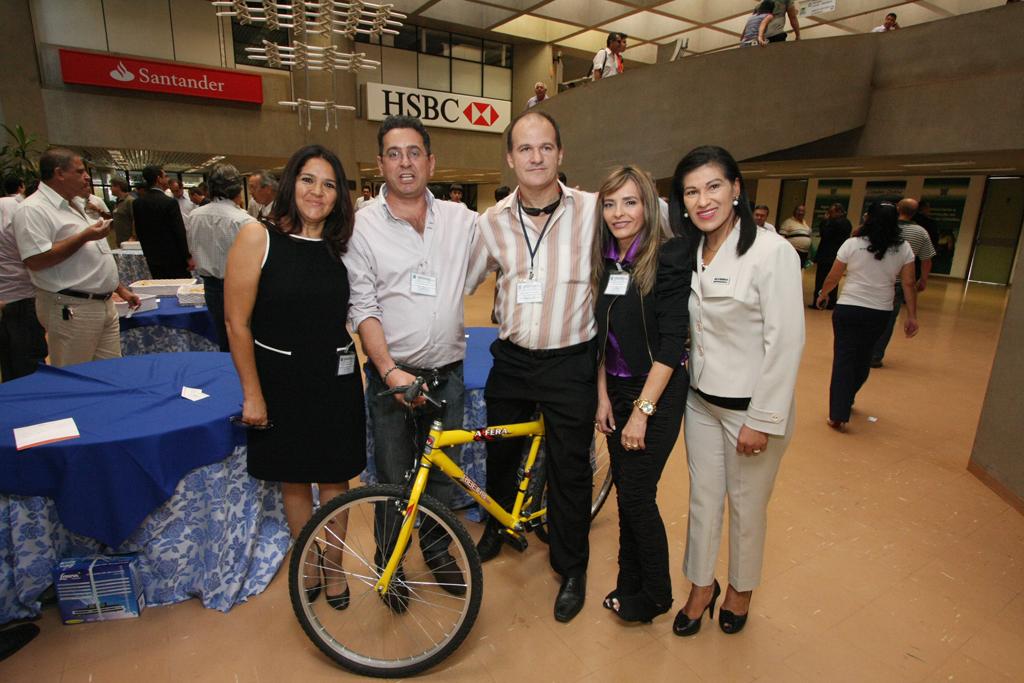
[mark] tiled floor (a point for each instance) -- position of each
(886, 560)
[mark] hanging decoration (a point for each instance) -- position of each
(308, 21)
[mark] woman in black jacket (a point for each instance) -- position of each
(641, 285)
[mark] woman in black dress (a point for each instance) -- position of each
(641, 285)
(286, 301)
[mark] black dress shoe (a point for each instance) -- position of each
(490, 542)
(447, 572)
(397, 597)
(570, 598)
(16, 637)
(685, 626)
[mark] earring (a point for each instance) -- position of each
(685, 215)
(736, 201)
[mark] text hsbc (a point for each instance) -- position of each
(426, 107)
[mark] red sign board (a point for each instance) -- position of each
(109, 71)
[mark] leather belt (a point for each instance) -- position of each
(85, 295)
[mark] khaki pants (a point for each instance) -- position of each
(717, 471)
(92, 331)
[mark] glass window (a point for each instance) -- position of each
(497, 83)
(464, 47)
(253, 35)
(497, 54)
(434, 73)
(407, 38)
(435, 42)
(466, 78)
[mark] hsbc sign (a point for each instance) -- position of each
(439, 109)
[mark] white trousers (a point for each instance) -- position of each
(91, 332)
(717, 471)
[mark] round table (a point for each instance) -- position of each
(169, 328)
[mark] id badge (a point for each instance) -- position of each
(529, 292)
(618, 283)
(346, 361)
(424, 284)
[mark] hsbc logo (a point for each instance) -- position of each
(480, 114)
(439, 109)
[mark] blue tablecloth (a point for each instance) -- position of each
(473, 458)
(148, 474)
(139, 437)
(131, 266)
(168, 329)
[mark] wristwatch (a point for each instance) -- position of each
(645, 406)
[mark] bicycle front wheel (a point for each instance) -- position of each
(421, 619)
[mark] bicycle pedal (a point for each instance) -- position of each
(518, 542)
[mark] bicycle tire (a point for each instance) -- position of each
(369, 637)
(602, 484)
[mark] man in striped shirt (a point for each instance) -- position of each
(539, 240)
(924, 252)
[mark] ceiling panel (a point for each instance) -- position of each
(582, 11)
(536, 28)
(589, 41)
(467, 13)
(646, 25)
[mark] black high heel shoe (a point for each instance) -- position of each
(640, 607)
(685, 626)
(338, 602)
(313, 592)
(730, 622)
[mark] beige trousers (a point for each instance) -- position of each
(92, 331)
(718, 472)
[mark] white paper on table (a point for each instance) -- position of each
(45, 432)
(193, 394)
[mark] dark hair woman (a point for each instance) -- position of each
(872, 261)
(641, 280)
(286, 302)
(746, 338)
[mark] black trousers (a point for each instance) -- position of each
(856, 329)
(820, 274)
(643, 547)
(883, 339)
(562, 383)
(22, 340)
(214, 294)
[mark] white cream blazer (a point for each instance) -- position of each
(747, 327)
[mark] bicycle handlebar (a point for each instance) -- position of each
(410, 392)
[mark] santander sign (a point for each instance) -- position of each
(104, 70)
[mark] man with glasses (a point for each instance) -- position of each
(407, 263)
(608, 61)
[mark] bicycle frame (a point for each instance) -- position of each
(434, 456)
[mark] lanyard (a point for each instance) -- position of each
(533, 248)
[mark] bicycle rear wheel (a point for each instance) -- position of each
(422, 621)
(600, 464)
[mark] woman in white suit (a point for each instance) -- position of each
(746, 337)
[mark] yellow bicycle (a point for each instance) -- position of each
(403, 616)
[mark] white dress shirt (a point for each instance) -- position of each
(45, 218)
(747, 327)
(210, 231)
(565, 316)
(422, 329)
(186, 205)
(15, 283)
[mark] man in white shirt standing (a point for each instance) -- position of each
(889, 24)
(22, 338)
(407, 263)
(761, 217)
(365, 198)
(14, 193)
(184, 203)
(539, 240)
(211, 230)
(608, 60)
(262, 191)
(540, 93)
(70, 264)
